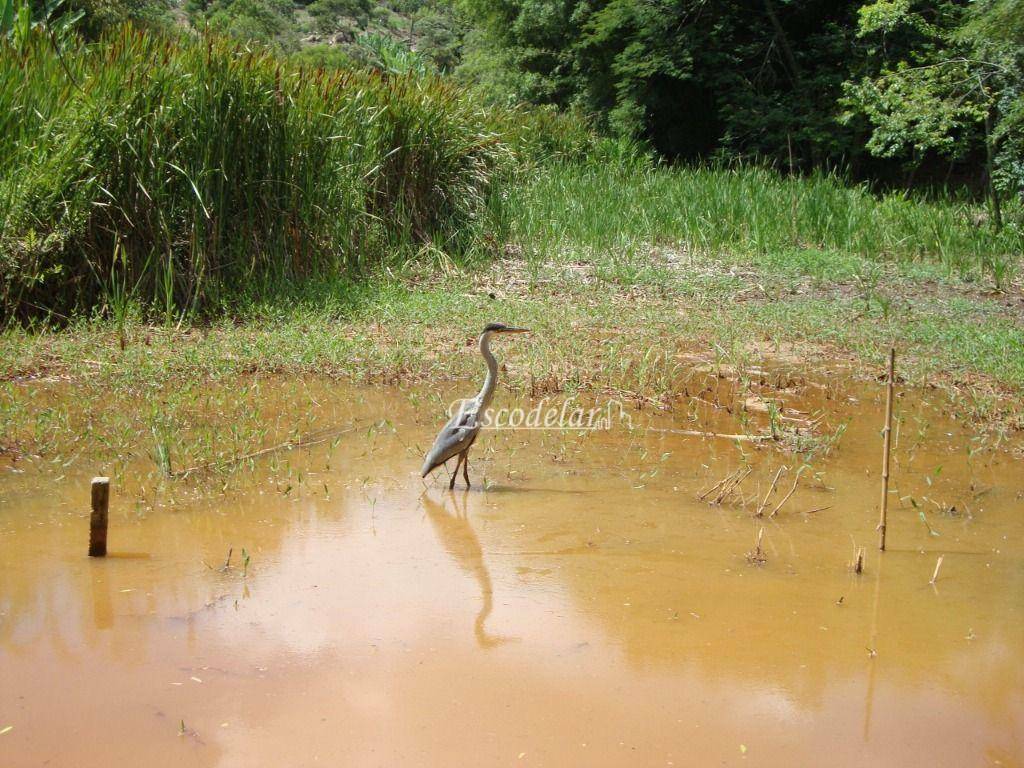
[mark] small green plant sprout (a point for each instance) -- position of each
(774, 420)
(161, 453)
(920, 514)
(931, 531)
(867, 279)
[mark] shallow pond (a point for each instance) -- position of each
(580, 605)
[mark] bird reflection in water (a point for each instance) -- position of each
(459, 540)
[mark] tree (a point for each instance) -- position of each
(328, 14)
(267, 21)
(756, 78)
(523, 49)
(437, 35)
(949, 81)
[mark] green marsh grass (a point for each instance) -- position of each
(198, 171)
(618, 211)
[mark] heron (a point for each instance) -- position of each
(462, 430)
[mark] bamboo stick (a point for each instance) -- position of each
(887, 441)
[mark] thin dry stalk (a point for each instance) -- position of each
(717, 485)
(726, 489)
(858, 563)
(887, 441)
(306, 442)
(818, 509)
(796, 482)
(938, 564)
(757, 556)
(730, 488)
(720, 435)
(771, 490)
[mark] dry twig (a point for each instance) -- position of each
(771, 490)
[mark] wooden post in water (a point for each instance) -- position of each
(887, 441)
(98, 519)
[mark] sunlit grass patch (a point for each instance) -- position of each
(818, 223)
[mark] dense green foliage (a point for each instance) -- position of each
(178, 170)
(181, 172)
(948, 82)
(894, 90)
(900, 92)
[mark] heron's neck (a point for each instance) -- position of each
(492, 370)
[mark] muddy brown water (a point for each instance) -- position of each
(578, 607)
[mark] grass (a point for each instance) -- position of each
(189, 174)
(804, 224)
(645, 340)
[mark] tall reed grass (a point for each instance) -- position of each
(190, 170)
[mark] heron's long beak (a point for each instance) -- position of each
(515, 330)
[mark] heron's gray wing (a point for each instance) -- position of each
(455, 437)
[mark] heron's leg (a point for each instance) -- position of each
(455, 474)
(465, 466)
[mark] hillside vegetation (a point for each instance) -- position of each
(221, 173)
